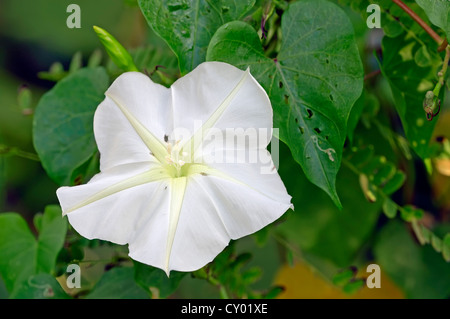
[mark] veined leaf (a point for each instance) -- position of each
(438, 11)
(62, 128)
(313, 82)
(188, 25)
(21, 254)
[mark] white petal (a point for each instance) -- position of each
(114, 217)
(200, 234)
(116, 138)
(220, 95)
(246, 207)
(214, 211)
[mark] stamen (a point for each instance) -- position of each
(176, 157)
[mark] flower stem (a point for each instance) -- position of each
(441, 42)
(14, 151)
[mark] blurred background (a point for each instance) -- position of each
(33, 36)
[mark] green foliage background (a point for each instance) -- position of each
(366, 170)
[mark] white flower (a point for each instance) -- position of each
(156, 192)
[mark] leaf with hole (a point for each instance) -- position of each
(409, 82)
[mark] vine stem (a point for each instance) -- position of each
(446, 60)
(442, 73)
(441, 42)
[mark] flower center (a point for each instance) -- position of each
(175, 159)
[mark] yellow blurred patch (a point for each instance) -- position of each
(300, 282)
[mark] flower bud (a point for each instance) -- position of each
(115, 50)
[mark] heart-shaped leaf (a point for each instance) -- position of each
(188, 25)
(313, 82)
(62, 127)
(21, 255)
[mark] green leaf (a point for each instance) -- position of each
(422, 57)
(76, 63)
(438, 11)
(389, 208)
(187, 25)
(55, 73)
(151, 279)
(118, 283)
(391, 27)
(446, 247)
(353, 286)
(409, 82)
(312, 83)
(42, 286)
(51, 238)
(343, 277)
(410, 213)
(24, 98)
(95, 59)
(21, 255)
(63, 123)
(418, 270)
(381, 175)
(17, 250)
(252, 275)
(274, 292)
(436, 242)
(394, 183)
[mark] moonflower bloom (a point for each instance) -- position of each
(164, 193)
